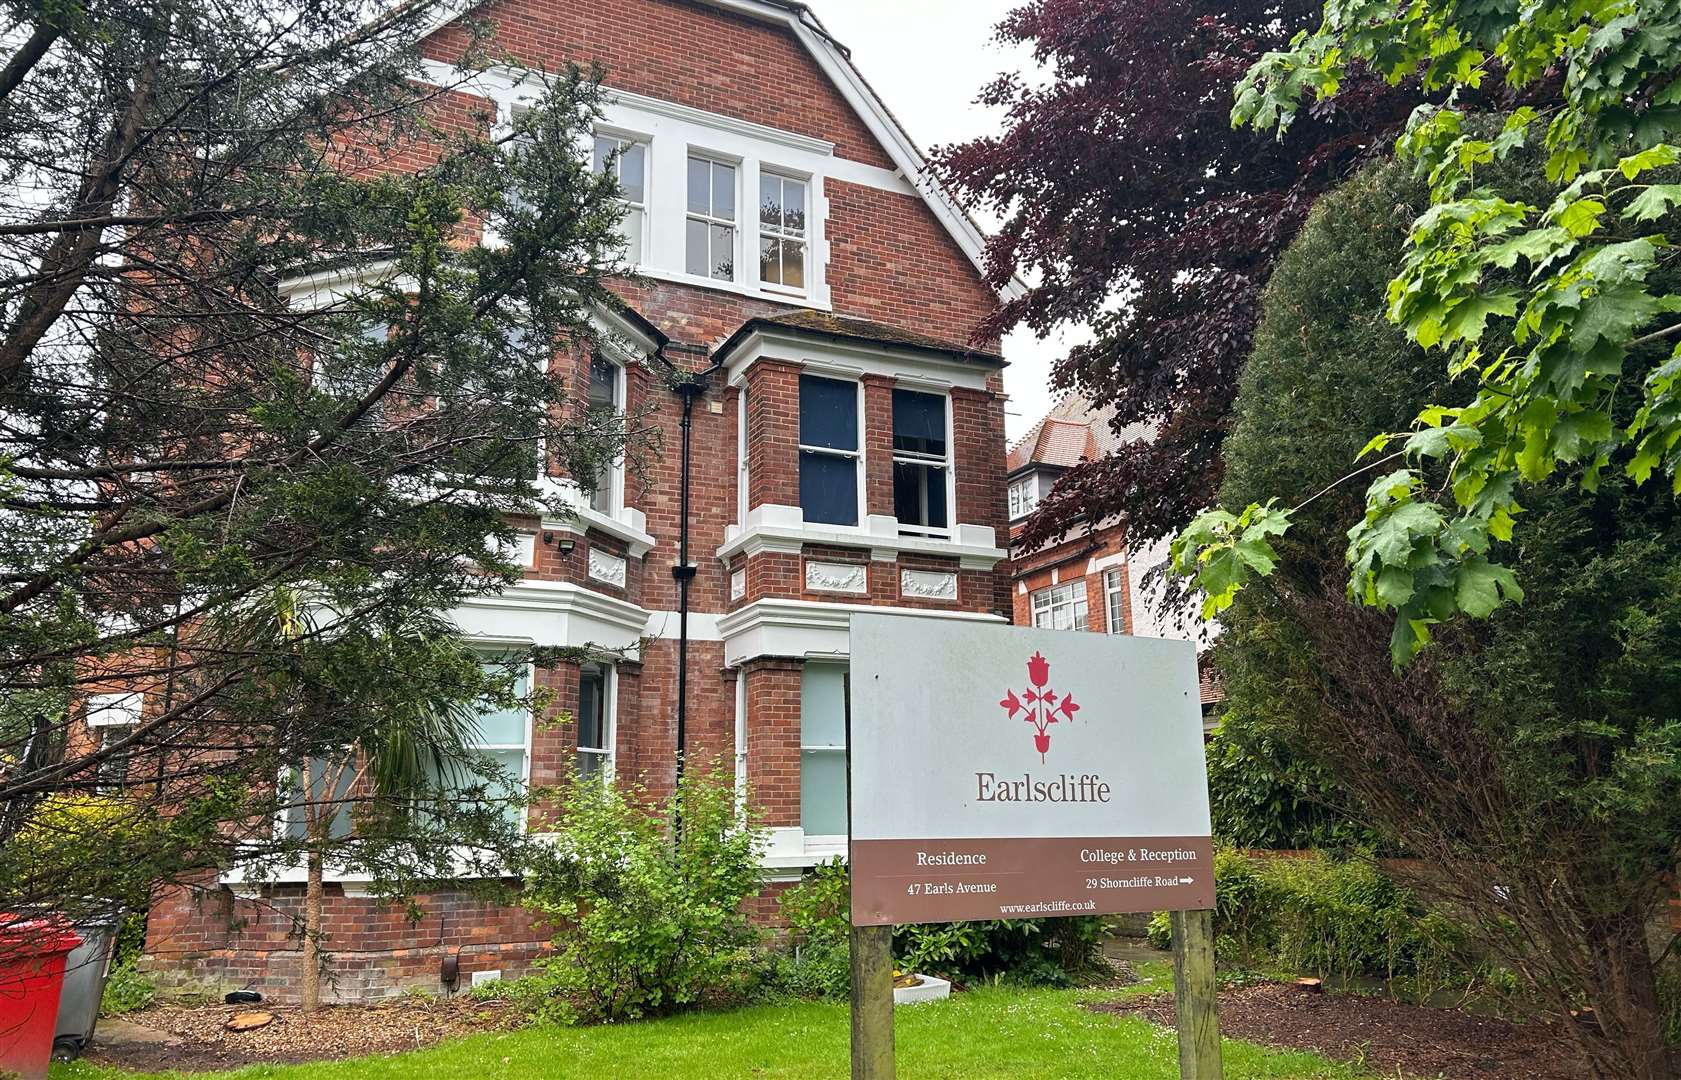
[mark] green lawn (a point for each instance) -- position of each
(986, 1033)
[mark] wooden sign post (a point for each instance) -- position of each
(872, 1002)
(1007, 773)
(1196, 995)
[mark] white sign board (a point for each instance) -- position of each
(1001, 772)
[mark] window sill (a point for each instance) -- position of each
(628, 525)
(784, 529)
(805, 299)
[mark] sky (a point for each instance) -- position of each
(928, 59)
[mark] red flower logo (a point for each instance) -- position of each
(1038, 704)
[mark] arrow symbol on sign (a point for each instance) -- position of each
(1187, 881)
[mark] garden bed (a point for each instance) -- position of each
(193, 1038)
(1385, 1036)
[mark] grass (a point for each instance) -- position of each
(985, 1033)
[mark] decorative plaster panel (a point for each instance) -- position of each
(927, 585)
(836, 577)
(608, 567)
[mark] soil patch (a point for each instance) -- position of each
(1386, 1035)
(194, 1038)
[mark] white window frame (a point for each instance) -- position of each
(743, 469)
(857, 455)
(120, 708)
(488, 654)
(740, 741)
(1114, 599)
(106, 781)
(824, 840)
(1048, 600)
(607, 755)
(779, 232)
(948, 463)
(615, 488)
(736, 227)
(639, 257)
(1024, 496)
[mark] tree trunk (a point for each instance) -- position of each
(309, 987)
(1629, 1044)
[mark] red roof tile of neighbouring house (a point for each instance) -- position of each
(1074, 430)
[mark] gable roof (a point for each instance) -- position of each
(835, 61)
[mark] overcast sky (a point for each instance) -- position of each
(928, 59)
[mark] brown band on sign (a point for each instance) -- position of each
(919, 881)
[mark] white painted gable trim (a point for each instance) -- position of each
(864, 102)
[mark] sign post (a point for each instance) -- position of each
(1006, 773)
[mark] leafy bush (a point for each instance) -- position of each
(127, 989)
(1332, 918)
(1034, 952)
(649, 924)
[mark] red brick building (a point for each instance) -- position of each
(1090, 580)
(848, 449)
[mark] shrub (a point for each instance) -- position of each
(1332, 918)
(1034, 952)
(649, 924)
(127, 989)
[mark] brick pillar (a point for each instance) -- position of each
(773, 738)
(773, 434)
(878, 444)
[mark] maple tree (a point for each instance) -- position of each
(1573, 279)
(1121, 178)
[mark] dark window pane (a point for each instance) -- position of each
(829, 488)
(604, 381)
(770, 268)
(828, 413)
(604, 148)
(919, 495)
(919, 423)
(770, 199)
(592, 707)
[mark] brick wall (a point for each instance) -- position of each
(890, 261)
(1064, 562)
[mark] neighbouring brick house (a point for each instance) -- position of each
(849, 450)
(1091, 579)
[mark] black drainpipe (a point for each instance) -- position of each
(692, 386)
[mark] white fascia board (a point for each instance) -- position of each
(809, 629)
(617, 331)
(553, 613)
(762, 536)
(795, 346)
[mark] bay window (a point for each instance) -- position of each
(499, 738)
(829, 450)
(710, 228)
(823, 693)
(921, 462)
(782, 231)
